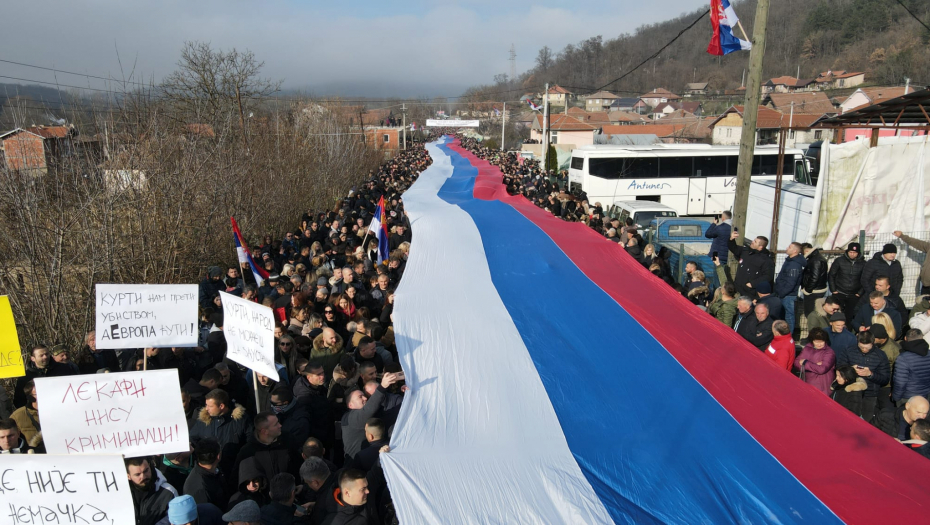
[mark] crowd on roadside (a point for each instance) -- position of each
(305, 447)
(862, 347)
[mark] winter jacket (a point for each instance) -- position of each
(923, 246)
(152, 505)
(295, 421)
(790, 276)
(54, 369)
(697, 293)
(845, 275)
(350, 514)
(281, 455)
(911, 371)
(368, 456)
(720, 233)
(889, 421)
(892, 349)
(760, 334)
(894, 303)
(635, 252)
(781, 351)
(723, 311)
(327, 356)
(743, 324)
(842, 341)
(819, 376)
(27, 419)
(277, 514)
(875, 360)
(174, 474)
(208, 290)
(818, 318)
(755, 267)
(814, 276)
(230, 430)
(321, 415)
(864, 317)
(878, 267)
(248, 470)
(922, 322)
(353, 422)
(849, 395)
(206, 486)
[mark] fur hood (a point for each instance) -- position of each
(237, 414)
(700, 290)
(858, 386)
(346, 381)
(320, 349)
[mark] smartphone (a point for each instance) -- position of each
(715, 255)
(736, 230)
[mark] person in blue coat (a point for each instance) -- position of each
(912, 368)
(841, 339)
(789, 281)
(877, 304)
(719, 231)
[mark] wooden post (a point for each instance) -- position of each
(255, 388)
(782, 134)
(873, 140)
(750, 113)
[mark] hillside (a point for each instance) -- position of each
(875, 36)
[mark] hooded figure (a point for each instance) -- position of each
(249, 472)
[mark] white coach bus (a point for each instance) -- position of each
(694, 179)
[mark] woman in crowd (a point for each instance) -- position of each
(848, 388)
(816, 363)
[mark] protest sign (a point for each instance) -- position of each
(39, 488)
(249, 331)
(11, 355)
(129, 413)
(146, 315)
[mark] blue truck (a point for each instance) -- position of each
(684, 236)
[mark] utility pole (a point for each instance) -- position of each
(747, 143)
(241, 119)
(403, 108)
(545, 140)
(503, 126)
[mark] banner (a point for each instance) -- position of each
(11, 355)
(146, 315)
(451, 123)
(129, 413)
(249, 331)
(39, 488)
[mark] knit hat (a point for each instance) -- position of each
(764, 287)
(838, 316)
(322, 281)
(182, 510)
(215, 271)
(853, 247)
(879, 331)
(889, 248)
(244, 511)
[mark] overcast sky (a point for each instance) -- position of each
(348, 47)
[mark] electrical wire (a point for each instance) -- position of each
(914, 16)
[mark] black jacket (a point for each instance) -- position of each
(878, 267)
(368, 456)
(815, 273)
(889, 421)
(760, 333)
(296, 421)
(280, 456)
(150, 505)
(755, 267)
(351, 515)
(206, 486)
(790, 276)
(845, 275)
(54, 369)
(277, 514)
(896, 303)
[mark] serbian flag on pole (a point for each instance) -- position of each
(723, 18)
(534, 107)
(245, 256)
(379, 227)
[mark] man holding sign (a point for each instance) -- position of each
(249, 331)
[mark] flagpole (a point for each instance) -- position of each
(740, 25)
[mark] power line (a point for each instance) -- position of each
(73, 73)
(914, 16)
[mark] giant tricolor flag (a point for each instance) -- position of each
(379, 227)
(723, 19)
(553, 379)
(245, 255)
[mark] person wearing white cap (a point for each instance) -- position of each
(245, 513)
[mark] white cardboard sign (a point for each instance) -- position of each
(146, 315)
(129, 413)
(452, 123)
(249, 331)
(40, 488)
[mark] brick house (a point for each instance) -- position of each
(37, 148)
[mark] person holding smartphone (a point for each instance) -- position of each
(720, 232)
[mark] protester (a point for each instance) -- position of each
(361, 409)
(871, 365)
(816, 362)
(912, 368)
(845, 279)
(822, 312)
(12, 440)
(245, 513)
(150, 493)
(789, 281)
(720, 232)
(183, 510)
(897, 421)
(781, 350)
(40, 364)
(813, 279)
(205, 482)
(884, 264)
(848, 389)
(281, 509)
(756, 265)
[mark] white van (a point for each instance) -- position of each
(642, 212)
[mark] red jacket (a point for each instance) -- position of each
(781, 350)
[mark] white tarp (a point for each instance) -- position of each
(452, 123)
(129, 413)
(449, 437)
(879, 190)
(46, 489)
(146, 315)
(249, 331)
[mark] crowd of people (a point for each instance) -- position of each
(862, 346)
(305, 446)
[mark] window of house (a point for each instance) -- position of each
(818, 135)
(387, 138)
(554, 137)
(791, 134)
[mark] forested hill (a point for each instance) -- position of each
(875, 36)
